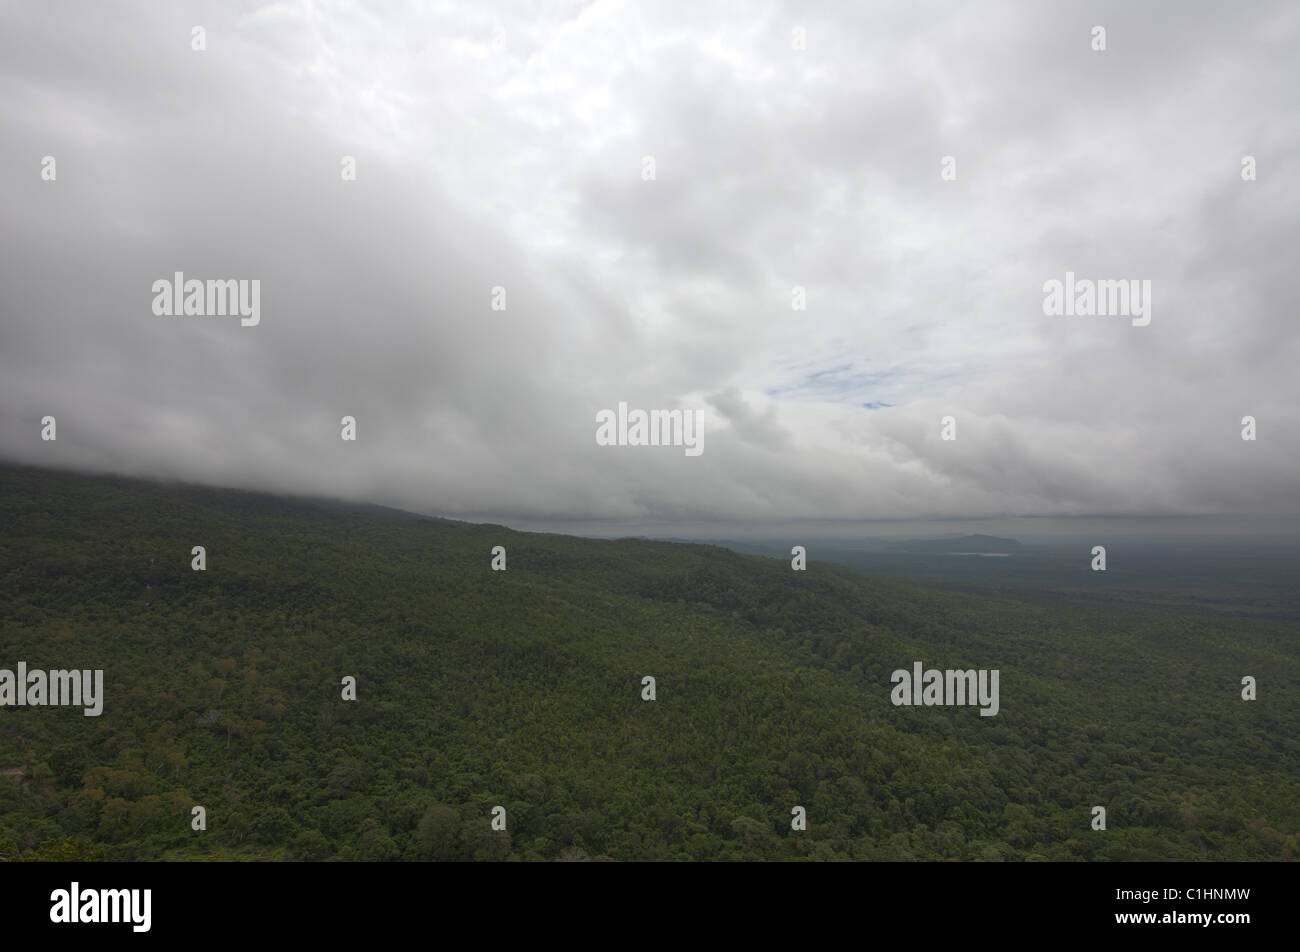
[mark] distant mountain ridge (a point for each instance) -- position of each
(338, 682)
(966, 543)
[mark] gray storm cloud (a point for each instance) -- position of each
(504, 149)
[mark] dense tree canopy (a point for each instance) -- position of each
(522, 689)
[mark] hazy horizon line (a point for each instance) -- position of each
(1153, 526)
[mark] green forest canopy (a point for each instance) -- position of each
(522, 689)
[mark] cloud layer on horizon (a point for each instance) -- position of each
(506, 149)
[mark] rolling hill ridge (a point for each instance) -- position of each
(524, 688)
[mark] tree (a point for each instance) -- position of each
(439, 831)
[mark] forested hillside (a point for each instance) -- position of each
(523, 688)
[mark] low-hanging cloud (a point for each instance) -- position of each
(506, 150)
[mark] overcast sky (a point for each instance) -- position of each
(504, 146)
